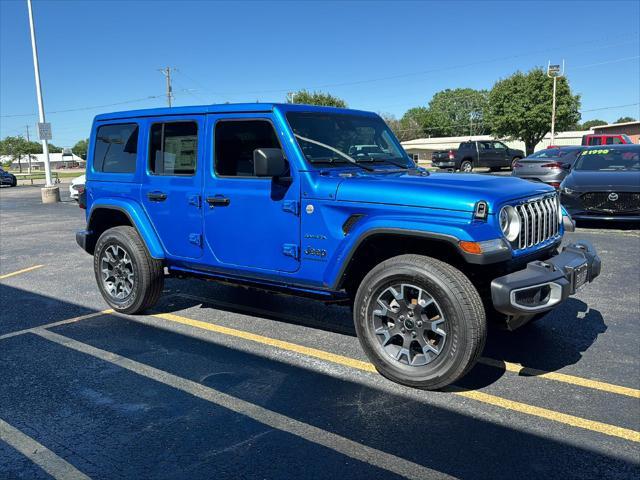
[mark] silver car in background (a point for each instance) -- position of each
(549, 166)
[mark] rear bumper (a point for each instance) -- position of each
(542, 285)
(443, 163)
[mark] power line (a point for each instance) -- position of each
(432, 70)
(85, 108)
(610, 108)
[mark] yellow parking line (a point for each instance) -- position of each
(292, 347)
(611, 430)
(24, 270)
(508, 366)
(561, 377)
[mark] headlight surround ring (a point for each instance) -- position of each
(509, 222)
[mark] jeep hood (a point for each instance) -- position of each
(449, 191)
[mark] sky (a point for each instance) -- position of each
(103, 56)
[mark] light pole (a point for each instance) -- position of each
(553, 71)
(50, 194)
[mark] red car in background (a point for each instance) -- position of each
(605, 139)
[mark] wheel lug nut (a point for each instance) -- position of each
(414, 334)
(419, 324)
(402, 330)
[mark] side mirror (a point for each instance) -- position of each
(269, 162)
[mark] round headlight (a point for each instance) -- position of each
(509, 222)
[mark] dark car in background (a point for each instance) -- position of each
(7, 178)
(550, 166)
(490, 154)
(604, 184)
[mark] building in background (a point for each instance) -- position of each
(56, 160)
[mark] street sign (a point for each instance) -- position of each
(553, 70)
(44, 131)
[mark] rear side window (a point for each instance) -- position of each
(614, 141)
(173, 148)
(235, 142)
(595, 141)
(116, 148)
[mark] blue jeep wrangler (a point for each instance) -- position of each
(324, 202)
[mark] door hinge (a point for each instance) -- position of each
(290, 250)
(195, 238)
(195, 200)
(291, 206)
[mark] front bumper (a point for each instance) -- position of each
(544, 284)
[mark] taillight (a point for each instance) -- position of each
(451, 155)
(518, 165)
(555, 184)
(552, 165)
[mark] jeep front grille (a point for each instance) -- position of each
(538, 221)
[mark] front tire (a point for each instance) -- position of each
(129, 279)
(420, 321)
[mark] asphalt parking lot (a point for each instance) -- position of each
(224, 382)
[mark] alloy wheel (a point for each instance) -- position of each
(409, 324)
(116, 269)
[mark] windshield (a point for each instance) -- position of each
(365, 139)
(609, 160)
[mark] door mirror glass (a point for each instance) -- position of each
(269, 162)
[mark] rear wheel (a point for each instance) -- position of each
(420, 321)
(129, 279)
(466, 166)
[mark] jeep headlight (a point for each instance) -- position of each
(509, 223)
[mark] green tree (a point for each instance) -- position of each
(316, 98)
(589, 124)
(625, 120)
(15, 147)
(458, 112)
(81, 147)
(520, 107)
(414, 124)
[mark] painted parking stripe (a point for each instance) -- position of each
(56, 324)
(560, 377)
(491, 362)
(514, 367)
(606, 429)
(39, 454)
(24, 270)
(267, 417)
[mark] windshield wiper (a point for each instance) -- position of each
(335, 150)
(393, 162)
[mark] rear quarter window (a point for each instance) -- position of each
(116, 148)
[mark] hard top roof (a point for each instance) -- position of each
(225, 108)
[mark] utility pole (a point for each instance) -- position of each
(50, 193)
(167, 73)
(553, 71)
